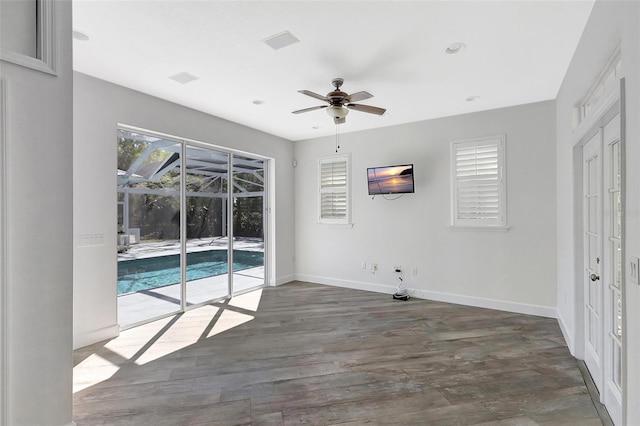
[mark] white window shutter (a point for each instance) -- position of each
(478, 195)
(333, 183)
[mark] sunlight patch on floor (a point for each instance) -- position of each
(91, 371)
(248, 301)
(149, 342)
(228, 320)
(187, 330)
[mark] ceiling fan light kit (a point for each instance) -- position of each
(336, 111)
(339, 101)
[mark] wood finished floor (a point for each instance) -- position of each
(310, 354)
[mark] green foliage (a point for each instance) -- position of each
(128, 151)
(248, 218)
(204, 217)
(158, 216)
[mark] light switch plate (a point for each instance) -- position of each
(634, 270)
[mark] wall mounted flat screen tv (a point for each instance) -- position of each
(390, 179)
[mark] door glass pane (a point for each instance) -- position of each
(19, 27)
(617, 313)
(617, 264)
(615, 170)
(248, 223)
(593, 331)
(593, 252)
(617, 214)
(149, 235)
(593, 214)
(593, 295)
(593, 176)
(207, 243)
(617, 363)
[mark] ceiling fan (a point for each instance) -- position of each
(338, 100)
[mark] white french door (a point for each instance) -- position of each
(602, 226)
(592, 224)
(612, 273)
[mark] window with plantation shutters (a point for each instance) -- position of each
(333, 194)
(478, 186)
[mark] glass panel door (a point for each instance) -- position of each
(169, 260)
(149, 249)
(613, 230)
(248, 223)
(206, 185)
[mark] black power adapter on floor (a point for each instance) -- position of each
(400, 296)
(402, 293)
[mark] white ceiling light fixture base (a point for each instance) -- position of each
(79, 35)
(455, 48)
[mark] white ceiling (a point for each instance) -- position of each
(516, 52)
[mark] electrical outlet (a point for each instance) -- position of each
(374, 267)
(414, 270)
(364, 265)
(634, 270)
(397, 268)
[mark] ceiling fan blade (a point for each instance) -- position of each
(313, 95)
(309, 109)
(339, 120)
(367, 108)
(359, 96)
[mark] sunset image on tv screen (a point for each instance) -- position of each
(390, 180)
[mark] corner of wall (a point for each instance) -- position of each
(105, 333)
(566, 333)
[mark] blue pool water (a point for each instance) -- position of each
(153, 272)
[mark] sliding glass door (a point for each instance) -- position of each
(206, 176)
(175, 223)
(248, 223)
(149, 237)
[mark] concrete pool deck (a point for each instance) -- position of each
(169, 247)
(134, 308)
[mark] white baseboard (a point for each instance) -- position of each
(355, 285)
(285, 279)
(96, 336)
(568, 337)
(479, 302)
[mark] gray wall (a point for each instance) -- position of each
(98, 108)
(38, 237)
(512, 270)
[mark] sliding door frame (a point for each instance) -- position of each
(268, 220)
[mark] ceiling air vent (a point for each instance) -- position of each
(281, 40)
(184, 77)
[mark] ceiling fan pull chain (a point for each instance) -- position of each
(337, 139)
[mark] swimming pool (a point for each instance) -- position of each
(153, 272)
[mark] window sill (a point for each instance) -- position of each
(480, 228)
(336, 225)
